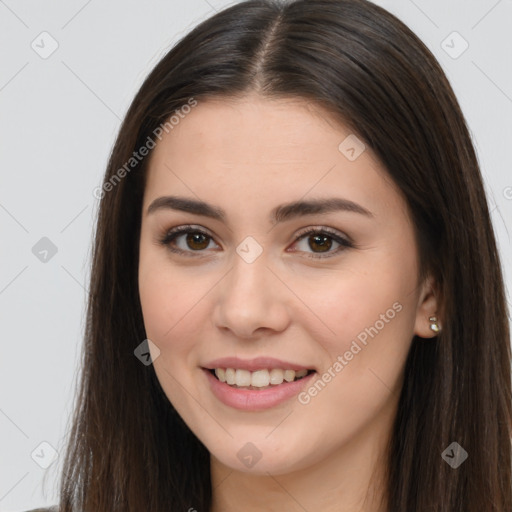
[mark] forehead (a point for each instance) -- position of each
(260, 150)
(231, 128)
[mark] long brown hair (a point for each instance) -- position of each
(128, 449)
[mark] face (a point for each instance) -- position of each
(267, 247)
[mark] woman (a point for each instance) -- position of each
(296, 297)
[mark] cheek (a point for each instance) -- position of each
(176, 308)
(370, 316)
(168, 301)
(170, 304)
(362, 374)
(167, 294)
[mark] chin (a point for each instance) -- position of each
(262, 456)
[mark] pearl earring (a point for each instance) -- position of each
(434, 324)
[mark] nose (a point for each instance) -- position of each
(251, 300)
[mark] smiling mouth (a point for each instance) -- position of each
(257, 380)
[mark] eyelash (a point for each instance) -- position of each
(174, 233)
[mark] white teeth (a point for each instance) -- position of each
(276, 376)
(243, 378)
(259, 378)
(289, 375)
(221, 374)
(230, 376)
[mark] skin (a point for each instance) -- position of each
(247, 156)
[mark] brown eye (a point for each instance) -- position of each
(186, 240)
(321, 241)
(324, 243)
(197, 241)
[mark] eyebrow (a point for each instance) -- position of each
(281, 213)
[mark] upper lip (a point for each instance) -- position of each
(258, 363)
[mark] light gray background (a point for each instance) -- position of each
(59, 116)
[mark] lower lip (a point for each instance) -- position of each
(252, 399)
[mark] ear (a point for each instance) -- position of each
(427, 307)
